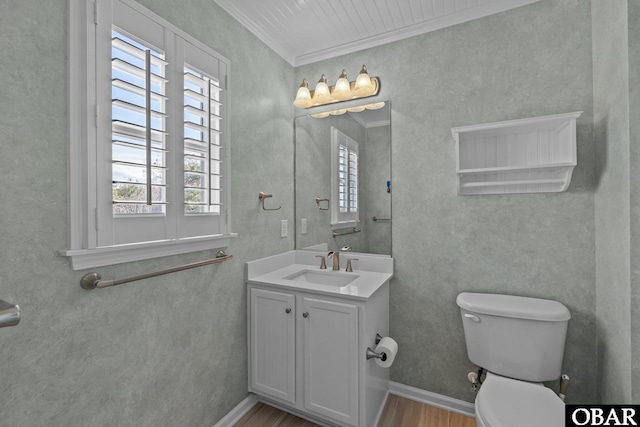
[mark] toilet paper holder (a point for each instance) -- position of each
(372, 354)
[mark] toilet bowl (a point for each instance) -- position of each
(505, 402)
(519, 341)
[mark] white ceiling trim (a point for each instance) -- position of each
(411, 31)
(481, 10)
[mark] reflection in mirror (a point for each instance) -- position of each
(313, 182)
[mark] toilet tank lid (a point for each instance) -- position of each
(514, 306)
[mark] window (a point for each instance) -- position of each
(344, 180)
(149, 162)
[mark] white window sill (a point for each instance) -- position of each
(344, 224)
(110, 255)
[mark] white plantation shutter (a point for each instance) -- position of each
(139, 130)
(347, 178)
(152, 140)
(344, 177)
(352, 178)
(201, 143)
(134, 130)
(204, 140)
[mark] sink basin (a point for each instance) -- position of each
(323, 278)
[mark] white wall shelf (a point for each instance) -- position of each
(533, 155)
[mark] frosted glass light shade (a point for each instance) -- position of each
(338, 112)
(363, 86)
(342, 90)
(321, 94)
(303, 97)
(374, 106)
(356, 109)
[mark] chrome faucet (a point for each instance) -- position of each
(335, 260)
(323, 264)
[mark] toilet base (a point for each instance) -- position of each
(507, 402)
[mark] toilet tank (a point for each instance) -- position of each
(513, 336)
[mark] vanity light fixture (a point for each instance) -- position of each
(342, 89)
(322, 94)
(303, 97)
(364, 86)
(356, 109)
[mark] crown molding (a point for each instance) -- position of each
(435, 24)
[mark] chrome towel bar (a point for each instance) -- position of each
(375, 218)
(92, 280)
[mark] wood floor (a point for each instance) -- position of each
(398, 412)
(401, 412)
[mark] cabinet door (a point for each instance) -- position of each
(330, 331)
(272, 332)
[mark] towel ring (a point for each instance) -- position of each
(262, 196)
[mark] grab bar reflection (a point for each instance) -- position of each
(342, 233)
(375, 218)
(92, 280)
(9, 314)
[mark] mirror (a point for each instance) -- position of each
(372, 130)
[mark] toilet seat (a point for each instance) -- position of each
(505, 402)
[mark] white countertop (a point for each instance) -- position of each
(370, 272)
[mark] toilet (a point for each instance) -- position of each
(519, 341)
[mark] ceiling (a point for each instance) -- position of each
(306, 31)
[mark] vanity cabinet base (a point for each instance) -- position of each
(307, 353)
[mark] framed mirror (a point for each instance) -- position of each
(361, 187)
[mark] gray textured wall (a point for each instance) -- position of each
(172, 350)
(634, 139)
(527, 62)
(168, 351)
(613, 262)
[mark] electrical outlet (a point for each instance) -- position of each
(303, 226)
(283, 228)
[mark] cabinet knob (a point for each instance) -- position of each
(288, 310)
(305, 314)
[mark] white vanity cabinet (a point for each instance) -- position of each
(330, 358)
(272, 343)
(308, 353)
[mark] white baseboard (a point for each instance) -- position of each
(433, 399)
(238, 412)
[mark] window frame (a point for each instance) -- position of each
(85, 114)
